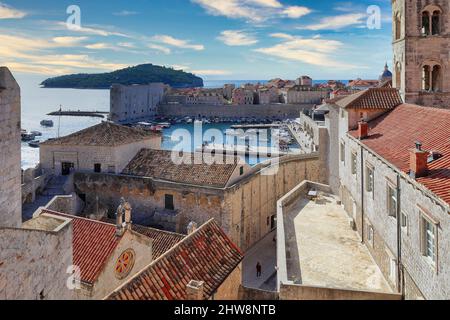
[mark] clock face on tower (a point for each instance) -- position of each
(125, 264)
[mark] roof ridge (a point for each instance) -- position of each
(159, 230)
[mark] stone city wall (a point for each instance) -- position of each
(276, 111)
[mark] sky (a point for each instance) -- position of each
(214, 39)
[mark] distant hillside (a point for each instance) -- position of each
(141, 74)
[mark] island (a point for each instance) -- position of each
(141, 74)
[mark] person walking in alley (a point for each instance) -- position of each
(258, 270)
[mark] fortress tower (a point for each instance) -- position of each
(421, 44)
(10, 171)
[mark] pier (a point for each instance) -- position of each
(255, 126)
(78, 113)
(237, 150)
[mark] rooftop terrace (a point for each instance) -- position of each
(319, 248)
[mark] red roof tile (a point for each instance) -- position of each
(93, 244)
(206, 255)
(393, 135)
(373, 98)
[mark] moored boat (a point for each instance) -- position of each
(47, 123)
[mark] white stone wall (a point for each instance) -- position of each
(10, 171)
(33, 264)
(85, 157)
(135, 103)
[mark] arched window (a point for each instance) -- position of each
(432, 78)
(426, 79)
(436, 23)
(431, 20)
(436, 78)
(426, 23)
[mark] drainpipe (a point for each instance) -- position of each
(362, 194)
(399, 240)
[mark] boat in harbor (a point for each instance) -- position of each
(36, 133)
(47, 123)
(164, 124)
(34, 144)
(25, 137)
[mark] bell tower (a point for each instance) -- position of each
(421, 45)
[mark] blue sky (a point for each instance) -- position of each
(216, 39)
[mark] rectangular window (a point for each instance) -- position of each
(241, 171)
(370, 179)
(404, 222)
(168, 202)
(354, 163)
(343, 152)
(429, 239)
(97, 168)
(392, 201)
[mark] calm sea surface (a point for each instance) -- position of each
(38, 102)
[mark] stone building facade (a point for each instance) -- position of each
(402, 219)
(131, 104)
(244, 206)
(303, 95)
(421, 44)
(106, 147)
(10, 171)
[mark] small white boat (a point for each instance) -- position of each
(164, 124)
(36, 133)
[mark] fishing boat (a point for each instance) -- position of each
(34, 144)
(36, 133)
(27, 137)
(164, 124)
(47, 123)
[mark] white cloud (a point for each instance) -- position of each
(237, 38)
(281, 35)
(174, 42)
(255, 11)
(100, 46)
(160, 48)
(69, 41)
(296, 12)
(337, 22)
(35, 55)
(315, 51)
(6, 12)
(211, 72)
(92, 30)
(125, 13)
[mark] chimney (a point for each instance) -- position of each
(363, 130)
(194, 290)
(191, 227)
(418, 162)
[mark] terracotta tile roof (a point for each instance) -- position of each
(103, 134)
(158, 164)
(393, 135)
(373, 98)
(206, 255)
(93, 244)
(163, 241)
(363, 83)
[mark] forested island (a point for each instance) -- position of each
(141, 74)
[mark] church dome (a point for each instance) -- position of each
(387, 75)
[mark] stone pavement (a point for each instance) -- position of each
(264, 252)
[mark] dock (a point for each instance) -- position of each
(94, 114)
(255, 126)
(238, 150)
